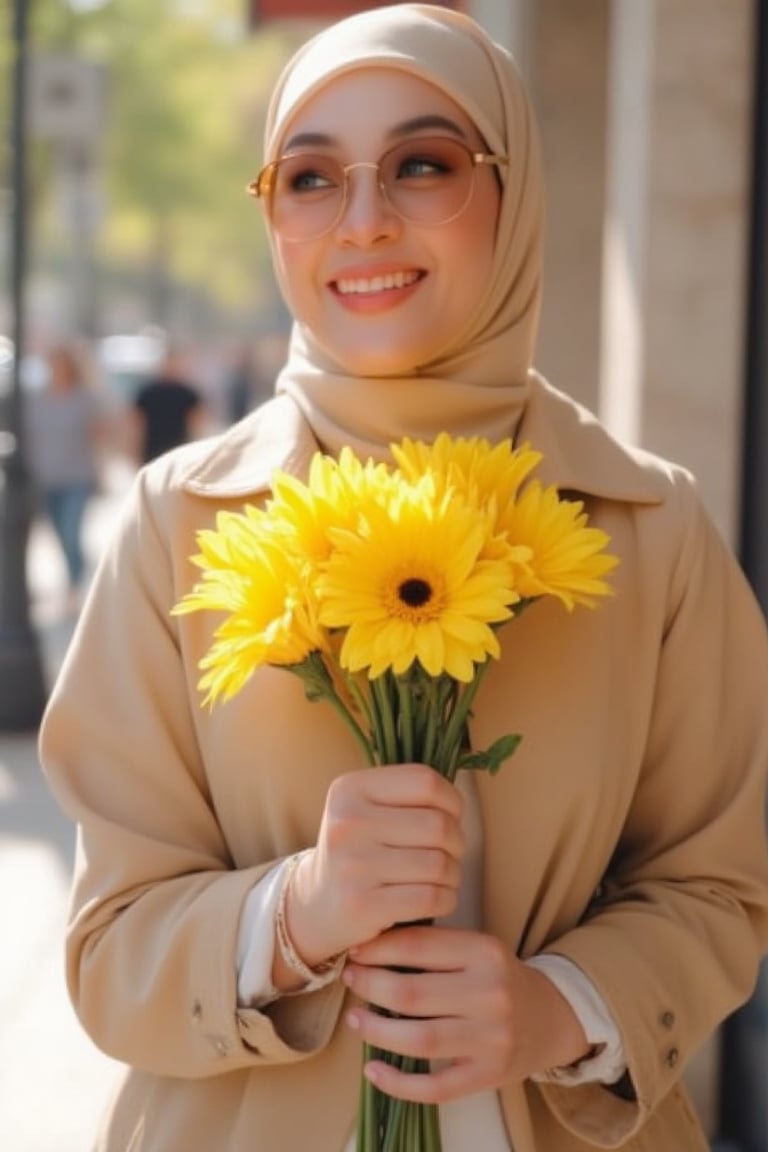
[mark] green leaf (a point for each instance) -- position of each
(314, 691)
(492, 758)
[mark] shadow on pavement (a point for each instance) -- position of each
(27, 809)
(53, 1081)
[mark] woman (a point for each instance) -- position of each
(602, 903)
(66, 431)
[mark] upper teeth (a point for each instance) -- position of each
(377, 283)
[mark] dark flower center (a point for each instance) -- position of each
(414, 592)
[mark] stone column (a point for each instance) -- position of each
(509, 23)
(698, 223)
(560, 48)
(569, 93)
(625, 228)
(674, 262)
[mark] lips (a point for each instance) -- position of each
(381, 282)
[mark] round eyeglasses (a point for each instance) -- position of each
(427, 180)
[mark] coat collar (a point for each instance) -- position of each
(242, 460)
(579, 455)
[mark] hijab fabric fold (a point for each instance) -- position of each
(478, 384)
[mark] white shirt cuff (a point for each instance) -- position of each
(256, 940)
(608, 1065)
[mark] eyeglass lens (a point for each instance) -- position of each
(425, 180)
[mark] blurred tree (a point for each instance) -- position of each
(187, 92)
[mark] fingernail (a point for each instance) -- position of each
(353, 1021)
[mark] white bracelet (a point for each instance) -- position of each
(312, 978)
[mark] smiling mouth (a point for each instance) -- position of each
(363, 286)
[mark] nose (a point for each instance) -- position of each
(367, 215)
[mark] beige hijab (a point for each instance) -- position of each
(478, 384)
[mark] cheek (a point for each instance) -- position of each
(293, 269)
(476, 240)
(471, 264)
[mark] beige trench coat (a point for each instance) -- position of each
(627, 833)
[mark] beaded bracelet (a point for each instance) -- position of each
(312, 978)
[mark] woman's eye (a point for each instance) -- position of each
(308, 180)
(310, 176)
(415, 166)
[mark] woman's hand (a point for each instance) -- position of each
(481, 1014)
(388, 852)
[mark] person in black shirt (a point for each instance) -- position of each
(168, 410)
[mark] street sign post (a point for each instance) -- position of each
(22, 686)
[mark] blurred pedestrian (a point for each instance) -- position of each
(168, 410)
(65, 430)
(251, 375)
(239, 385)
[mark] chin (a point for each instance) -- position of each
(370, 362)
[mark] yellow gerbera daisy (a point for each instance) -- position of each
(410, 585)
(567, 558)
(224, 551)
(331, 497)
(489, 477)
(263, 585)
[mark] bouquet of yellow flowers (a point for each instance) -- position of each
(384, 588)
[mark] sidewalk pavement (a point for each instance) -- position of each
(53, 1081)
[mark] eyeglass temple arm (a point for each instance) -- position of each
(489, 158)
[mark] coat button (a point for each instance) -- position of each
(672, 1058)
(667, 1019)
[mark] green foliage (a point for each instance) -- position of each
(186, 97)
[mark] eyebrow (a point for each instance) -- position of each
(398, 131)
(419, 123)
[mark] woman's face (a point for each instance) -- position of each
(382, 295)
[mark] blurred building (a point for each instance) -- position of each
(646, 114)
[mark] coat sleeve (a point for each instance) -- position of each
(674, 937)
(156, 900)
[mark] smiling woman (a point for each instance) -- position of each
(370, 236)
(260, 919)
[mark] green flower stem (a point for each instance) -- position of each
(354, 727)
(450, 745)
(412, 1127)
(395, 1125)
(431, 706)
(447, 691)
(430, 1120)
(414, 716)
(352, 724)
(381, 697)
(406, 718)
(367, 1134)
(404, 1120)
(363, 704)
(319, 685)
(378, 733)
